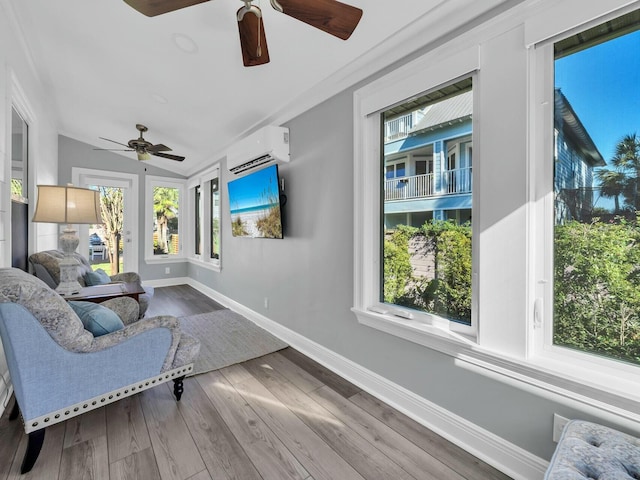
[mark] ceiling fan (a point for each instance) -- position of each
(143, 148)
(330, 16)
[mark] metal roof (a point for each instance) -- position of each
(449, 111)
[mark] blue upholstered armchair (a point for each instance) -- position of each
(59, 369)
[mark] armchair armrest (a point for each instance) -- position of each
(126, 277)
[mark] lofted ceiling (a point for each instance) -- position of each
(106, 67)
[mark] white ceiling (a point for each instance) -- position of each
(107, 67)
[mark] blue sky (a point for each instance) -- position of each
(602, 84)
(249, 191)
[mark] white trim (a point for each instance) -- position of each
(503, 455)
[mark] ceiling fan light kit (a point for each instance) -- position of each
(330, 16)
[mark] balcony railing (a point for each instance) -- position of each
(421, 186)
(398, 128)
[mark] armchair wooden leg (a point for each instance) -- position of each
(15, 411)
(33, 450)
(178, 387)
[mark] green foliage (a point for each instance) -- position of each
(16, 188)
(597, 292)
(397, 265)
(448, 291)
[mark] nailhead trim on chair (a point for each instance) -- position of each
(79, 408)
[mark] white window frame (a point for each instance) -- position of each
(192, 183)
(599, 370)
(204, 181)
(151, 182)
(415, 78)
(510, 341)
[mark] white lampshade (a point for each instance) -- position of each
(67, 204)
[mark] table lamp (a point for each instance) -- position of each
(68, 205)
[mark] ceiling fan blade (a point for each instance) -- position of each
(177, 158)
(114, 149)
(113, 141)
(158, 148)
(253, 41)
(151, 8)
(331, 16)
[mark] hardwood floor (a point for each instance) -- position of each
(281, 416)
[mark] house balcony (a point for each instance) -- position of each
(398, 128)
(450, 182)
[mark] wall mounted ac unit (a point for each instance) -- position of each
(267, 145)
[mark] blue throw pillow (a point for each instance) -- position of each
(99, 277)
(97, 319)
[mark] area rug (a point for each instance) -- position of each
(227, 338)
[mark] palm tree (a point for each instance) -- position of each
(612, 183)
(165, 207)
(622, 179)
(627, 160)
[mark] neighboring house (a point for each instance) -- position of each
(575, 155)
(428, 163)
(429, 159)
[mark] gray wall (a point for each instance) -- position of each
(308, 277)
(72, 153)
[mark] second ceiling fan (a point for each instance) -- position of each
(330, 16)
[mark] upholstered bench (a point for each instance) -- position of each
(590, 451)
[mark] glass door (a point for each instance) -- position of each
(112, 245)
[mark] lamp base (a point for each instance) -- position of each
(68, 277)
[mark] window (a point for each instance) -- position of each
(197, 220)
(426, 233)
(529, 182)
(215, 218)
(204, 190)
(19, 157)
(395, 218)
(164, 228)
(596, 172)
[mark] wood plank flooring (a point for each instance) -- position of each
(282, 416)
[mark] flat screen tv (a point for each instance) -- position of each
(254, 201)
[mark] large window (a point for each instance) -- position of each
(215, 218)
(164, 201)
(426, 233)
(204, 191)
(596, 165)
(198, 220)
(549, 268)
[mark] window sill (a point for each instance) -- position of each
(164, 259)
(606, 390)
(204, 264)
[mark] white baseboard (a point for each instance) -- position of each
(168, 282)
(490, 448)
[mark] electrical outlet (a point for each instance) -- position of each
(167, 270)
(266, 303)
(558, 425)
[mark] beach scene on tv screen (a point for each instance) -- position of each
(255, 205)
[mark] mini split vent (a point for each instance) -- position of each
(267, 145)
